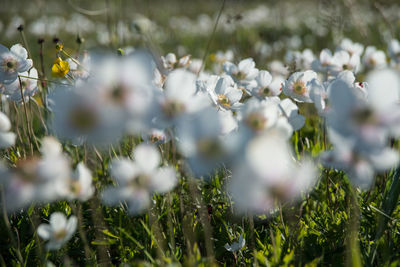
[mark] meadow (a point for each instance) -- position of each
(199, 133)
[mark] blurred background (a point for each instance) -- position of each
(264, 30)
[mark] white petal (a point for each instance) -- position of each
(71, 225)
(5, 124)
(164, 180)
(58, 221)
(44, 231)
(123, 170)
(147, 157)
(7, 139)
(383, 87)
(19, 50)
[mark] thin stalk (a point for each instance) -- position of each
(211, 37)
(8, 227)
(26, 116)
(203, 213)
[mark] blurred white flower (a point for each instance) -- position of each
(59, 231)
(178, 100)
(351, 47)
(78, 185)
(334, 64)
(360, 163)
(201, 142)
(374, 58)
(7, 138)
(81, 114)
(236, 246)
(394, 51)
(268, 175)
(137, 180)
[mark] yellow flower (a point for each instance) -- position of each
(59, 46)
(60, 68)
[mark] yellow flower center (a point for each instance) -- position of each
(83, 119)
(59, 235)
(256, 121)
(299, 87)
(173, 108)
(209, 148)
(224, 101)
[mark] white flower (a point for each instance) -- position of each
(371, 119)
(178, 100)
(201, 143)
(156, 136)
(302, 60)
(257, 116)
(351, 47)
(137, 180)
(7, 138)
(265, 86)
(374, 58)
(291, 111)
(59, 231)
(112, 81)
(244, 73)
(360, 163)
(169, 61)
(268, 175)
(78, 185)
(81, 114)
(236, 246)
(29, 86)
(339, 61)
(298, 85)
(13, 62)
(394, 50)
(226, 95)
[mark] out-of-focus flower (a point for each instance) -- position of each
(78, 185)
(36, 179)
(351, 47)
(59, 231)
(7, 138)
(129, 95)
(80, 114)
(236, 246)
(374, 58)
(333, 64)
(359, 162)
(60, 68)
(137, 180)
(13, 62)
(302, 60)
(372, 119)
(394, 50)
(156, 136)
(201, 142)
(268, 175)
(178, 100)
